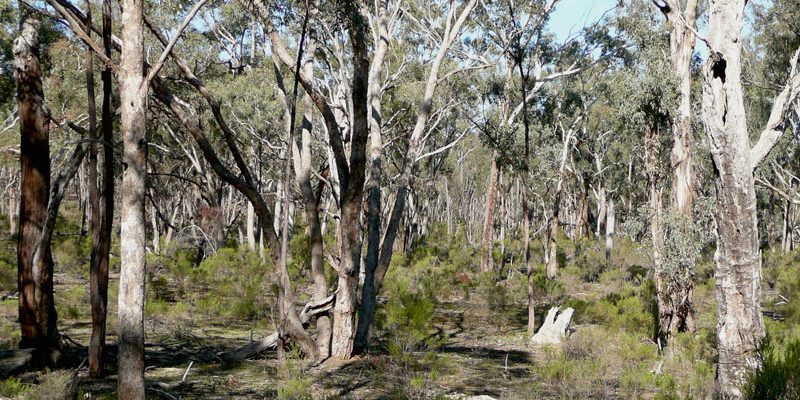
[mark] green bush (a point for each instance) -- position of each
(778, 377)
(407, 317)
(12, 387)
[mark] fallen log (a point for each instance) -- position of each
(257, 346)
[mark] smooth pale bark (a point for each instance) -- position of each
(133, 99)
(250, 228)
(302, 159)
(487, 241)
(311, 202)
(610, 227)
(740, 326)
(37, 313)
(101, 235)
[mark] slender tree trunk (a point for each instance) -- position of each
(369, 290)
(488, 222)
(787, 236)
(552, 242)
(678, 316)
(375, 273)
(311, 202)
(344, 322)
(102, 223)
(526, 253)
(251, 228)
(37, 314)
(666, 309)
(610, 226)
(133, 98)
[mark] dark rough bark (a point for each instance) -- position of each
(37, 314)
(101, 238)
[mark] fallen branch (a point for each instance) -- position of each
(310, 310)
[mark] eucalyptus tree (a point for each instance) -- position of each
(676, 312)
(37, 313)
(681, 17)
(740, 326)
(379, 253)
(103, 215)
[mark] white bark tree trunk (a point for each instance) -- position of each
(740, 325)
(133, 99)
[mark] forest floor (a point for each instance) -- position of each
(473, 357)
(442, 332)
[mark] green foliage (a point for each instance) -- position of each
(778, 376)
(74, 301)
(407, 319)
(550, 291)
(782, 277)
(234, 283)
(12, 387)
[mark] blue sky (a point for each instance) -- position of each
(570, 16)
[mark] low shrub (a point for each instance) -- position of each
(778, 376)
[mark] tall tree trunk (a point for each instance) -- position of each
(344, 322)
(102, 224)
(740, 326)
(680, 314)
(37, 314)
(666, 309)
(369, 290)
(251, 227)
(487, 243)
(682, 42)
(133, 99)
(310, 199)
(552, 241)
(787, 236)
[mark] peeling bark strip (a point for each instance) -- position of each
(740, 327)
(133, 98)
(37, 314)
